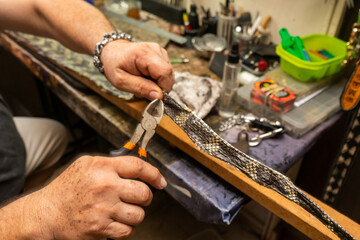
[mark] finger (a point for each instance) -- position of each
(136, 192)
(133, 167)
(161, 51)
(157, 49)
(158, 68)
(128, 214)
(117, 231)
(165, 55)
(137, 85)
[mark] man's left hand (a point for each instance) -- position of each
(142, 68)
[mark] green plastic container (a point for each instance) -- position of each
(317, 68)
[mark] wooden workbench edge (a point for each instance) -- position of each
(279, 205)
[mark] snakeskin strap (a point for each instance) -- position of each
(346, 157)
(210, 142)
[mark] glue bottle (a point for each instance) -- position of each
(232, 68)
(193, 17)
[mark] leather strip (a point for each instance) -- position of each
(209, 141)
(348, 154)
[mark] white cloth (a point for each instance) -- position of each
(45, 141)
(197, 93)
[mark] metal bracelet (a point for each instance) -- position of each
(99, 46)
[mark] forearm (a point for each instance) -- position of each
(79, 26)
(75, 23)
(80, 29)
(20, 219)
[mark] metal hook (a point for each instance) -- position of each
(255, 141)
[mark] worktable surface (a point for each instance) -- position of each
(117, 126)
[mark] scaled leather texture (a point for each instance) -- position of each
(210, 142)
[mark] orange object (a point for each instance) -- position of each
(351, 93)
(142, 152)
(134, 13)
(268, 93)
(318, 54)
(263, 24)
(129, 145)
(133, 10)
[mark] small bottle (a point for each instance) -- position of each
(133, 9)
(193, 18)
(232, 68)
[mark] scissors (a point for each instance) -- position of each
(145, 129)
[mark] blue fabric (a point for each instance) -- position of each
(282, 152)
(205, 195)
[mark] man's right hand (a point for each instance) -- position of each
(96, 197)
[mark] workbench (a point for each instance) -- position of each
(207, 196)
(188, 182)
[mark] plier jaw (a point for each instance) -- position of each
(146, 129)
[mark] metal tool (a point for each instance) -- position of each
(145, 129)
(266, 128)
(251, 122)
(242, 143)
(253, 142)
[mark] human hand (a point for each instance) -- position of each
(128, 66)
(96, 197)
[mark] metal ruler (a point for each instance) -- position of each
(173, 37)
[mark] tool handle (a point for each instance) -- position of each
(121, 152)
(265, 125)
(124, 151)
(142, 153)
(127, 150)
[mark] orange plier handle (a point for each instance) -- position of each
(128, 150)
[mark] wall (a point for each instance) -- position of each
(300, 17)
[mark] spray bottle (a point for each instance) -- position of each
(232, 68)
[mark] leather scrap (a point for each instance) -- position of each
(198, 93)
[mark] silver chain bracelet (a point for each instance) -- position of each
(99, 46)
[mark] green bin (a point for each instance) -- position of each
(317, 68)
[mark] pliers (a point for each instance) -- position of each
(146, 129)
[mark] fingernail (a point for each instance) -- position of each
(163, 182)
(154, 95)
